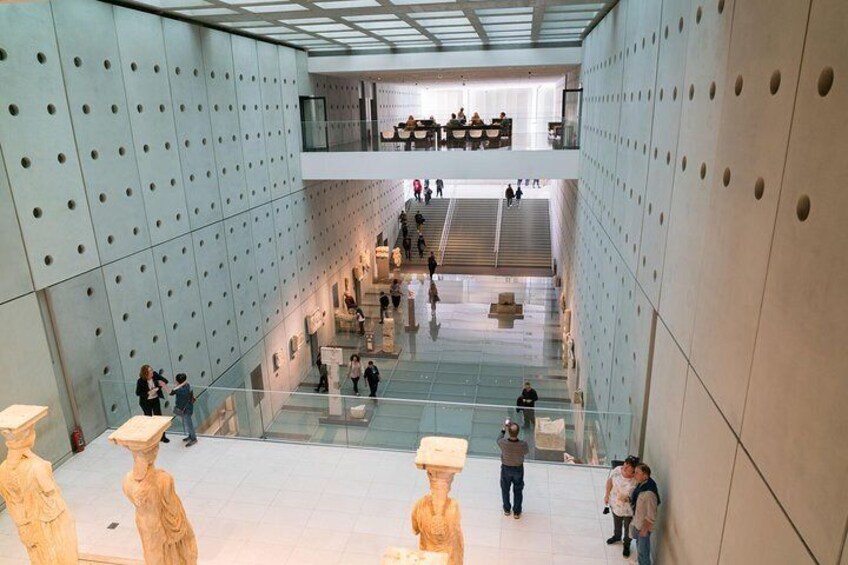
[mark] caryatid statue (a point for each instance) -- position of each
(166, 534)
(436, 518)
(32, 497)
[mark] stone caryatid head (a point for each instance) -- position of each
(141, 435)
(17, 425)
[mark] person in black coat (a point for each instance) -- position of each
(384, 305)
(526, 403)
(422, 245)
(432, 264)
(149, 389)
(372, 377)
(407, 246)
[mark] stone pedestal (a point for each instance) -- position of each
(403, 556)
(33, 499)
(550, 434)
(436, 517)
(389, 335)
(382, 256)
(411, 326)
(506, 309)
(167, 537)
(332, 357)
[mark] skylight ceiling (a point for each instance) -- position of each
(328, 26)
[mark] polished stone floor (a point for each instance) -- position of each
(458, 357)
(254, 502)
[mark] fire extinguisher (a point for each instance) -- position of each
(77, 440)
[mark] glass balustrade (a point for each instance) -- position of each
(557, 435)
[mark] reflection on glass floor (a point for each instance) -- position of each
(457, 356)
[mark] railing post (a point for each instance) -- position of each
(498, 231)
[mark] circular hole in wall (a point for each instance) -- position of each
(726, 177)
(77, 62)
(698, 14)
(703, 170)
(133, 67)
(48, 260)
(759, 188)
(36, 212)
(738, 86)
(683, 163)
(113, 408)
(774, 83)
(80, 249)
(41, 57)
(712, 90)
(720, 6)
(26, 162)
(825, 81)
(51, 109)
(803, 207)
(107, 64)
(13, 109)
(61, 158)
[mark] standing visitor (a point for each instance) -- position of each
(434, 297)
(461, 116)
(513, 451)
(372, 377)
(384, 305)
(620, 485)
(440, 186)
(428, 194)
(407, 246)
(404, 229)
(416, 189)
(184, 407)
(536, 183)
(323, 375)
(354, 372)
(518, 194)
(395, 293)
(526, 404)
(432, 264)
(402, 218)
(510, 194)
(644, 502)
(360, 319)
(149, 389)
(421, 246)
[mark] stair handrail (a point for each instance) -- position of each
(443, 243)
(501, 205)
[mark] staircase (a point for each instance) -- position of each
(525, 235)
(435, 215)
(471, 239)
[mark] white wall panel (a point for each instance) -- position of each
(145, 71)
(291, 115)
(43, 170)
(15, 280)
(796, 396)
(240, 250)
(696, 167)
(216, 294)
(94, 85)
(180, 297)
(757, 530)
(85, 336)
(249, 98)
(137, 314)
(187, 78)
(223, 108)
(267, 273)
(271, 86)
(28, 376)
(287, 261)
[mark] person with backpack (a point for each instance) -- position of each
(184, 407)
(428, 195)
(432, 264)
(407, 246)
(510, 194)
(518, 194)
(422, 245)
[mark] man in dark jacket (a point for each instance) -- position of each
(526, 403)
(510, 194)
(419, 220)
(384, 305)
(148, 389)
(372, 377)
(440, 186)
(432, 264)
(184, 407)
(407, 246)
(422, 245)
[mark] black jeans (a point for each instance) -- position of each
(620, 522)
(372, 384)
(151, 408)
(514, 477)
(355, 385)
(432, 272)
(395, 300)
(529, 417)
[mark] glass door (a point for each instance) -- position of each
(313, 120)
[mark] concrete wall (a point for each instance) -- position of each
(711, 196)
(152, 210)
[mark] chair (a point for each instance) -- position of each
(388, 135)
(457, 138)
(406, 137)
(476, 136)
(493, 136)
(422, 138)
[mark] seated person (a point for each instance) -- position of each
(349, 301)
(411, 123)
(505, 122)
(476, 120)
(454, 122)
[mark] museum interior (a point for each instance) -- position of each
(317, 282)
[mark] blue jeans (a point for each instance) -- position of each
(514, 477)
(188, 425)
(643, 547)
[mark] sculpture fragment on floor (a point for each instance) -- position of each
(403, 556)
(166, 534)
(33, 498)
(436, 517)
